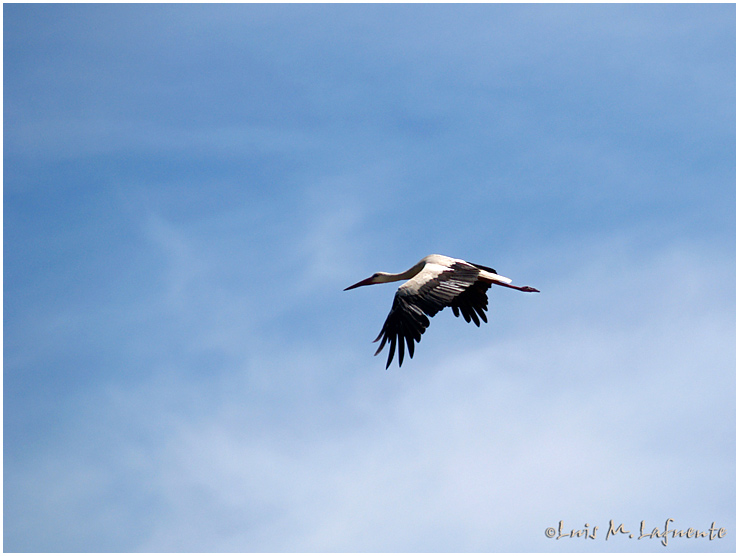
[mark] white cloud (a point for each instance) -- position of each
(591, 415)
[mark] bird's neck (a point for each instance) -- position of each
(407, 275)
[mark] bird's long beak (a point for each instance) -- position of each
(365, 282)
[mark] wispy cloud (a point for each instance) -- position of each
(463, 450)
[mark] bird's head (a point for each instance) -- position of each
(376, 278)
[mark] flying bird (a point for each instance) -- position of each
(433, 283)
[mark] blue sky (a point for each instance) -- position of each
(189, 188)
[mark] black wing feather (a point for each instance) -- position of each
(485, 268)
(473, 302)
(457, 288)
(405, 324)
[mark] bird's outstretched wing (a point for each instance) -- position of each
(425, 295)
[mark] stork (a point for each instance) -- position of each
(433, 283)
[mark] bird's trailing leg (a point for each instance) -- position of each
(519, 288)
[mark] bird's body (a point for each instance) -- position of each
(433, 283)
